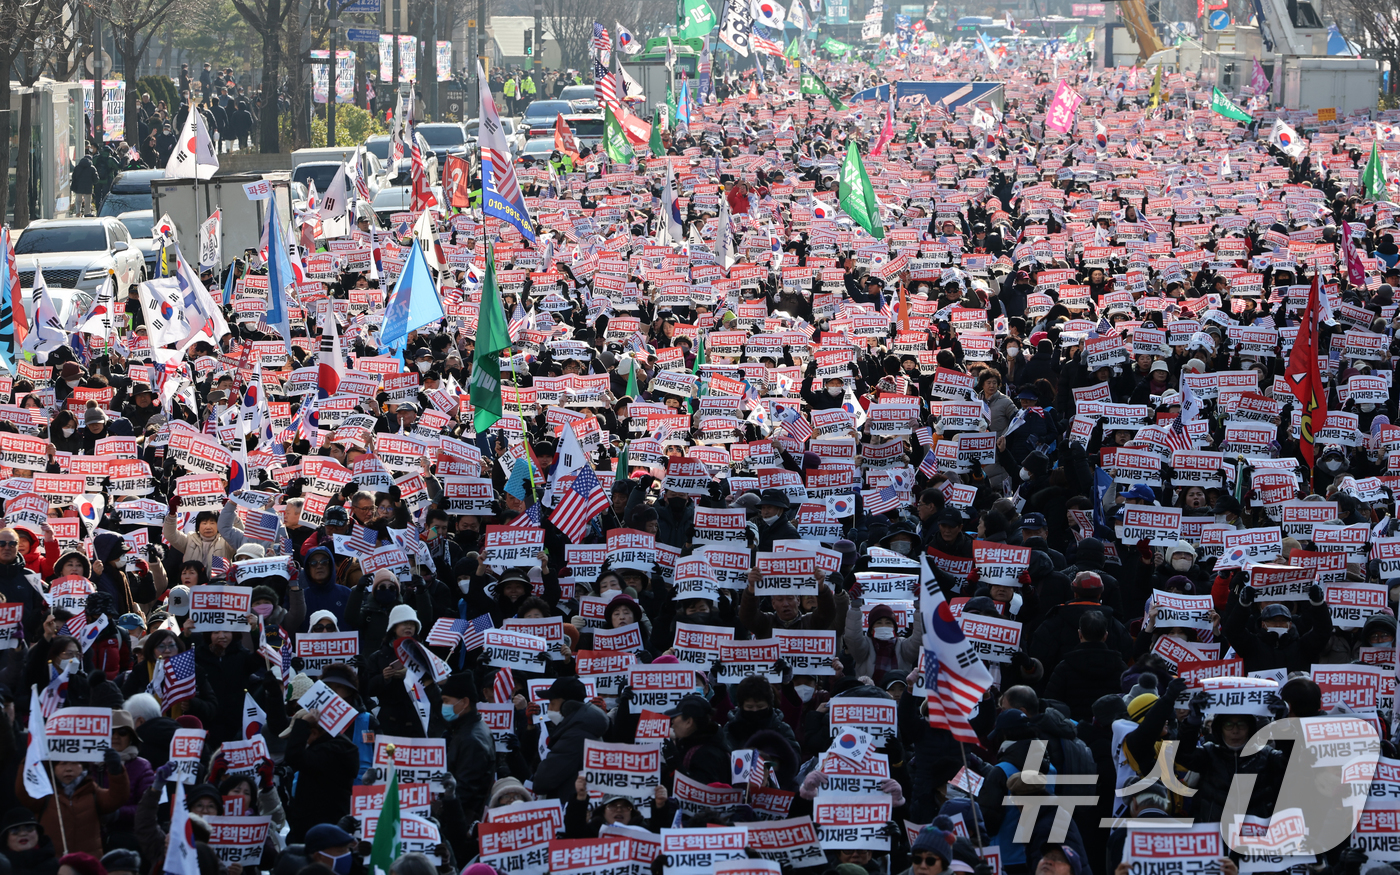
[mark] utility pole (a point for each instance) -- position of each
(432, 68)
(395, 5)
(537, 67)
(332, 78)
(97, 92)
(480, 56)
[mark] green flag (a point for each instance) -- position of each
(857, 195)
(794, 49)
(615, 142)
(699, 352)
(672, 111)
(697, 19)
(632, 389)
(1373, 180)
(1223, 105)
(492, 339)
(812, 84)
(835, 46)
(655, 145)
(385, 849)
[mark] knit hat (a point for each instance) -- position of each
(94, 416)
(1181, 547)
(83, 864)
(508, 785)
(1139, 706)
(265, 594)
(403, 614)
(933, 841)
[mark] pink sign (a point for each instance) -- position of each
(1060, 116)
(1087, 10)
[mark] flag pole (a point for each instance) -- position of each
(976, 824)
(53, 781)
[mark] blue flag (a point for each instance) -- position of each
(413, 304)
(228, 284)
(279, 275)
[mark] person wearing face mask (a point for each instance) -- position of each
(70, 377)
(1276, 642)
(571, 723)
(755, 713)
(271, 614)
(333, 847)
(771, 523)
(1227, 512)
(325, 768)
(62, 432)
(471, 755)
(879, 648)
(1180, 561)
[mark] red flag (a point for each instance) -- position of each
(454, 180)
(1305, 378)
(564, 138)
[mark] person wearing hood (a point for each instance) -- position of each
(880, 648)
(1088, 671)
(264, 603)
(371, 607)
(26, 847)
(19, 584)
(572, 722)
(471, 754)
(383, 671)
(30, 544)
(1089, 556)
(1377, 631)
(1276, 641)
(204, 544)
(755, 713)
(320, 591)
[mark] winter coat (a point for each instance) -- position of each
(42, 859)
(228, 678)
(701, 756)
(471, 758)
(195, 547)
(396, 713)
(326, 772)
(1261, 650)
(1059, 634)
(140, 777)
(1084, 674)
(327, 596)
(741, 727)
(557, 772)
(862, 647)
(81, 813)
(1217, 765)
(19, 584)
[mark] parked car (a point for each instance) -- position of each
(78, 253)
(539, 116)
(138, 224)
(444, 138)
(131, 190)
(378, 146)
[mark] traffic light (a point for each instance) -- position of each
(529, 42)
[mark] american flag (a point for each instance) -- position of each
(582, 501)
(758, 773)
(929, 466)
(924, 435)
(362, 541)
(1175, 436)
(794, 424)
(178, 684)
(474, 635)
(605, 87)
(531, 517)
(517, 322)
(261, 526)
(881, 500)
(766, 46)
(503, 687)
(602, 40)
(218, 566)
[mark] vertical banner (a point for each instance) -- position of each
(113, 107)
(344, 76)
(444, 60)
(408, 58)
(386, 57)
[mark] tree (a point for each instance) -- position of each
(1378, 21)
(268, 18)
(134, 23)
(570, 22)
(24, 42)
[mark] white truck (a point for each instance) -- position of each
(1342, 84)
(190, 202)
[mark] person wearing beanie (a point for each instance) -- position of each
(222, 660)
(266, 604)
(471, 754)
(931, 852)
(1269, 638)
(382, 673)
(507, 791)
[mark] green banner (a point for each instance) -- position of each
(1223, 105)
(858, 196)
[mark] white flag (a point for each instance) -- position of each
(48, 333)
(332, 208)
(163, 307)
(210, 242)
(36, 777)
(180, 855)
(194, 156)
(254, 717)
(1287, 140)
(627, 41)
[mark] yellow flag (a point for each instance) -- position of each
(1156, 90)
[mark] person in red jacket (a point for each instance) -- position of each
(29, 547)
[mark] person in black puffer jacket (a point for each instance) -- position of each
(1088, 671)
(935, 756)
(1089, 556)
(1218, 760)
(26, 847)
(754, 696)
(698, 751)
(1059, 634)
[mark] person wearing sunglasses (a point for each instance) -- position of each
(932, 852)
